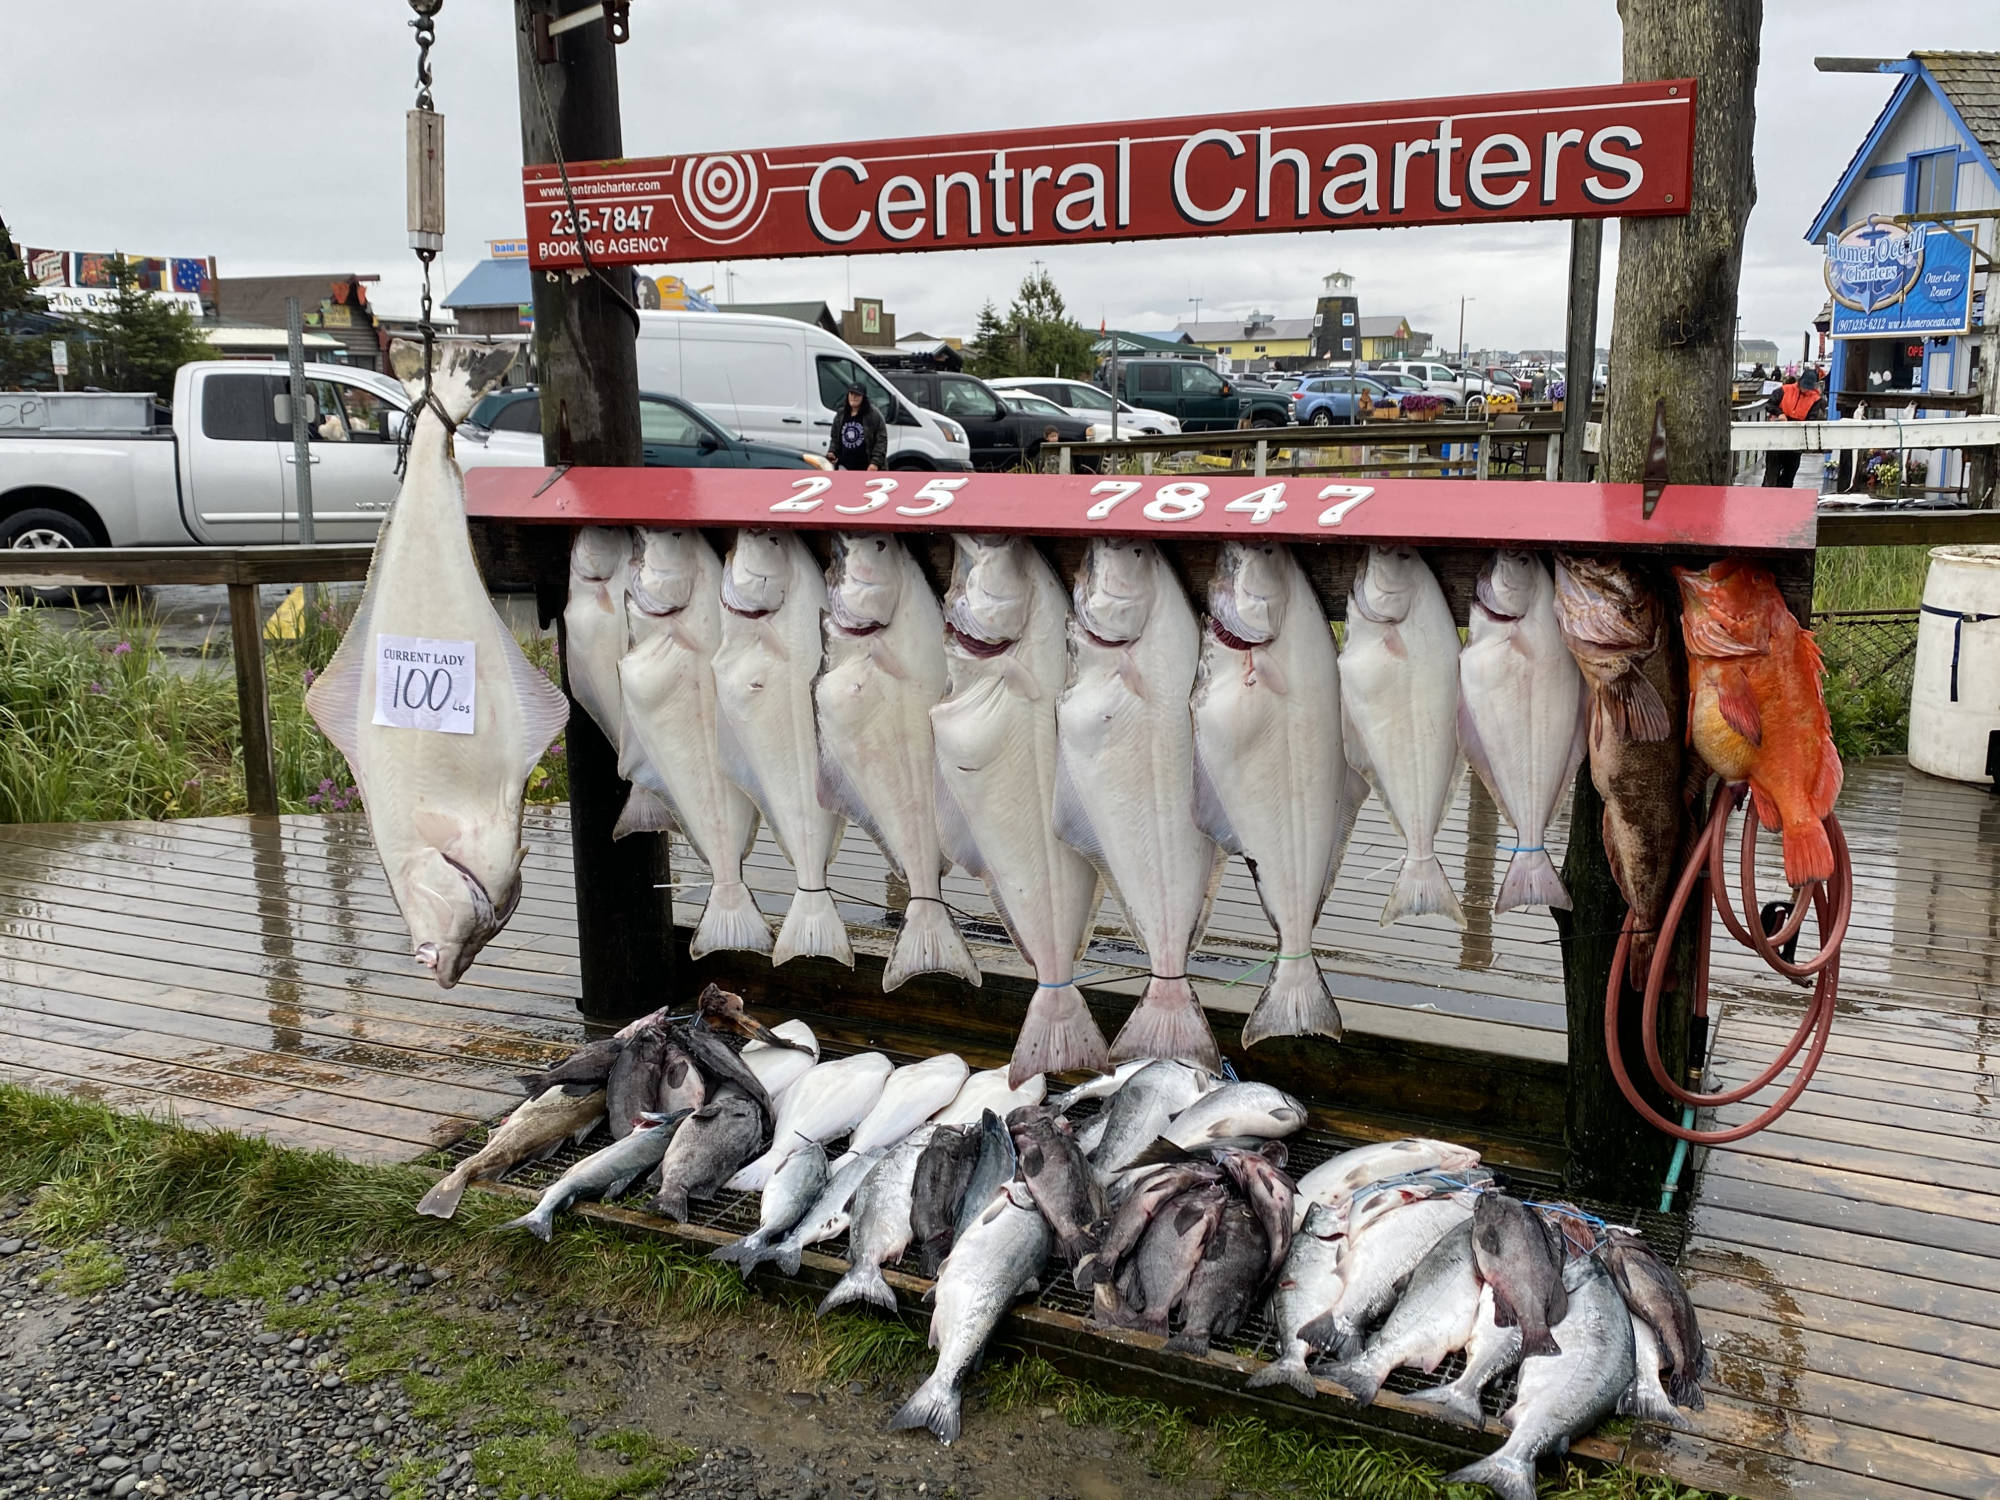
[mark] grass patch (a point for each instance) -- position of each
(1869, 578)
(98, 724)
(282, 1218)
(88, 1269)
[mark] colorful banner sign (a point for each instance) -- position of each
(1616, 151)
(1426, 512)
(1898, 281)
(91, 269)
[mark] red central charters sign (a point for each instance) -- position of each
(1620, 151)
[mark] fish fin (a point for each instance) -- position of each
(1737, 703)
(934, 1406)
(1808, 851)
(812, 929)
(1537, 1341)
(460, 373)
(753, 1175)
(334, 699)
(1635, 708)
(1058, 1035)
(955, 833)
(672, 1203)
(1510, 1476)
(736, 765)
(1321, 1332)
(544, 707)
(788, 1256)
(534, 1222)
(1264, 663)
(645, 811)
(1295, 1003)
(1639, 1401)
(1474, 747)
(1209, 814)
(1072, 818)
(1187, 1341)
(929, 943)
(1422, 889)
(1355, 1377)
(1504, 1315)
(1531, 880)
(441, 1202)
(1354, 797)
(1826, 784)
(1160, 1153)
(1291, 1371)
(1684, 1389)
(730, 922)
(1453, 1401)
(1168, 1023)
(837, 793)
(861, 1284)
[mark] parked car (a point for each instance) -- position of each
(222, 472)
(1028, 403)
(1399, 383)
(1202, 400)
(1090, 403)
(778, 381)
(1001, 437)
(676, 435)
(1327, 399)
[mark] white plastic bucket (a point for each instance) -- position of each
(1955, 697)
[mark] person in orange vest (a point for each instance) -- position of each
(1797, 400)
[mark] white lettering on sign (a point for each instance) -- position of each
(808, 494)
(938, 492)
(1345, 498)
(424, 684)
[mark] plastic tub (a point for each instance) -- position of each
(1955, 697)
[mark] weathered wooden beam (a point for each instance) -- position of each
(87, 567)
(253, 700)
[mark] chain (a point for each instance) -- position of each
(425, 26)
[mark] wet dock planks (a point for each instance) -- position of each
(255, 977)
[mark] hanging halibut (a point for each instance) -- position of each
(672, 722)
(1271, 781)
(885, 672)
(1125, 794)
(594, 629)
(429, 698)
(1399, 703)
(772, 596)
(1522, 715)
(996, 780)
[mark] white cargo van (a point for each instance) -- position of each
(774, 380)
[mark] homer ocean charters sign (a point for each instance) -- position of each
(1619, 150)
(1889, 279)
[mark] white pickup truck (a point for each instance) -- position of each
(224, 473)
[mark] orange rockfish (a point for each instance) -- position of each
(1755, 709)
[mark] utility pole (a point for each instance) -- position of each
(1586, 260)
(1672, 353)
(585, 351)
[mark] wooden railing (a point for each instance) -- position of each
(242, 569)
(1255, 449)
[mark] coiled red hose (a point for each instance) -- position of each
(1830, 904)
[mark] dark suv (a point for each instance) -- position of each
(1001, 437)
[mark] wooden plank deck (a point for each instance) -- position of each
(255, 976)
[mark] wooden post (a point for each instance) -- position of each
(1586, 259)
(1982, 463)
(253, 700)
(588, 363)
(1673, 339)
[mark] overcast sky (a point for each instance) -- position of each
(269, 134)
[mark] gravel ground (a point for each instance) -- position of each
(149, 1388)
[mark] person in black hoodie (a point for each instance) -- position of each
(860, 437)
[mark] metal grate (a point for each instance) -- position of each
(736, 1214)
(1870, 645)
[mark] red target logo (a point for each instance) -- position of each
(721, 196)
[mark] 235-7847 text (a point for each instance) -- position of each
(1170, 501)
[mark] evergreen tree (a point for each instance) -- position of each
(1038, 337)
(991, 352)
(140, 342)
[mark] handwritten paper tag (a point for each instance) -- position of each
(424, 684)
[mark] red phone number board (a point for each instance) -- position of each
(1424, 512)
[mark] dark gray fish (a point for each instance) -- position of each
(1156, 1278)
(1522, 1263)
(1565, 1394)
(995, 1168)
(1270, 1193)
(1655, 1295)
(1153, 1191)
(633, 1087)
(720, 1064)
(943, 1171)
(707, 1149)
(602, 1174)
(682, 1088)
(1227, 1281)
(580, 1072)
(1061, 1183)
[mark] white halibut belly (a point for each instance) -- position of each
(672, 713)
(877, 728)
(766, 703)
(1403, 706)
(1522, 692)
